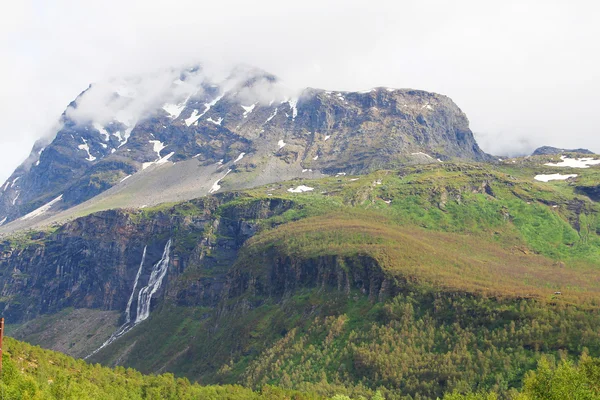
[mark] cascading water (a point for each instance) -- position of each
(137, 278)
(159, 270)
(156, 277)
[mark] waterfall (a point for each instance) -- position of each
(137, 278)
(159, 270)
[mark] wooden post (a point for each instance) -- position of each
(1, 337)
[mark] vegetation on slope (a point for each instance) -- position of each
(32, 373)
(476, 254)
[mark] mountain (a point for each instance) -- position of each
(416, 281)
(238, 132)
(308, 244)
(548, 150)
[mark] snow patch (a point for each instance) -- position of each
(327, 137)
(15, 199)
(574, 162)
(281, 144)
(174, 110)
(293, 103)
(215, 187)
(86, 147)
(193, 118)
(14, 181)
(159, 161)
(209, 105)
(554, 177)
(157, 145)
(239, 157)
(118, 135)
(272, 115)
(315, 158)
(217, 122)
(300, 189)
(3, 221)
(420, 153)
(102, 131)
(43, 209)
(128, 176)
(165, 158)
(248, 109)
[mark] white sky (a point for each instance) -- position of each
(527, 73)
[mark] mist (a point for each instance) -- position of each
(525, 72)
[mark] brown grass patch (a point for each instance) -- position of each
(449, 261)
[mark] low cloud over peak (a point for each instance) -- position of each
(523, 71)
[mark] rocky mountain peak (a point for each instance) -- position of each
(245, 121)
(549, 150)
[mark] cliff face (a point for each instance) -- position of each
(94, 261)
(128, 264)
(249, 124)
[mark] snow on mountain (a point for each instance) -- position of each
(114, 130)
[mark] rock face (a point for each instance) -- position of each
(93, 262)
(107, 262)
(247, 122)
(548, 150)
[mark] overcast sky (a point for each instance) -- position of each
(526, 73)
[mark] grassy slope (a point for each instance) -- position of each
(485, 247)
(33, 373)
(499, 235)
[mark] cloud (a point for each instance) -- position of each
(523, 71)
(129, 100)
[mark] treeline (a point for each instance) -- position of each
(424, 345)
(552, 381)
(32, 373)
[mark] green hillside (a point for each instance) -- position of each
(33, 373)
(414, 283)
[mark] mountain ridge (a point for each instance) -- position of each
(249, 116)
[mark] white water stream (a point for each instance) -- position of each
(135, 282)
(156, 277)
(159, 270)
